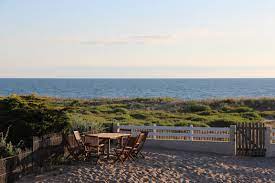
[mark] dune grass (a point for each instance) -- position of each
(39, 114)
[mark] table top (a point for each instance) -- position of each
(109, 135)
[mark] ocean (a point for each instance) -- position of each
(117, 88)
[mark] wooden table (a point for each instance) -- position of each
(109, 137)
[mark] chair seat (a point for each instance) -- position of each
(91, 145)
(126, 149)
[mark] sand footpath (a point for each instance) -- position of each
(166, 166)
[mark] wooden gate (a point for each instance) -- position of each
(250, 139)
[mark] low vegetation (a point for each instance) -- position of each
(7, 148)
(33, 115)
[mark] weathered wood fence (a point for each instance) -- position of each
(273, 136)
(44, 150)
(250, 139)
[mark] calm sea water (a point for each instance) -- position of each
(179, 88)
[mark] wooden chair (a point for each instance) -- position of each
(82, 148)
(74, 150)
(126, 152)
(94, 146)
(124, 139)
(138, 143)
(121, 152)
(138, 150)
(76, 147)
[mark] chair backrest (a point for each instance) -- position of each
(134, 142)
(94, 141)
(140, 139)
(145, 135)
(131, 141)
(78, 138)
(143, 140)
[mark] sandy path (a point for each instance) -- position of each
(167, 166)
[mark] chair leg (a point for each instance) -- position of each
(119, 157)
(67, 157)
(142, 155)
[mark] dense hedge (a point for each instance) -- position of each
(29, 116)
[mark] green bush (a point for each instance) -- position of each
(6, 148)
(205, 113)
(268, 114)
(251, 116)
(84, 123)
(195, 107)
(30, 118)
(222, 122)
(139, 116)
(120, 110)
(237, 109)
(195, 117)
(188, 123)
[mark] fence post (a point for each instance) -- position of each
(191, 133)
(268, 141)
(154, 131)
(233, 139)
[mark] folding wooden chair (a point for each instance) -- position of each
(138, 150)
(94, 146)
(75, 151)
(124, 139)
(121, 153)
(82, 148)
(126, 152)
(77, 148)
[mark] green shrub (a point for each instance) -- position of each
(84, 123)
(268, 114)
(188, 123)
(222, 122)
(120, 110)
(237, 109)
(30, 118)
(103, 108)
(195, 117)
(6, 148)
(195, 107)
(121, 117)
(205, 113)
(251, 116)
(139, 116)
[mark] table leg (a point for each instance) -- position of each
(109, 147)
(121, 141)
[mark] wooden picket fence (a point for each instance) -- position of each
(250, 139)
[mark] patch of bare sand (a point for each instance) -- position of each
(166, 166)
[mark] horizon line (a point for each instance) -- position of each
(137, 77)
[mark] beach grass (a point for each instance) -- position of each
(42, 114)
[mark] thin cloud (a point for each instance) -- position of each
(135, 39)
(176, 37)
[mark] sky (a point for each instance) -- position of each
(137, 38)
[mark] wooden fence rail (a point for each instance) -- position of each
(181, 133)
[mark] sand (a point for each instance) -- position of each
(165, 166)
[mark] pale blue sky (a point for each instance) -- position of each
(142, 38)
